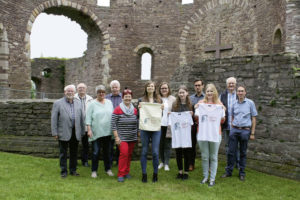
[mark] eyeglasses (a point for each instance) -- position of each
(100, 92)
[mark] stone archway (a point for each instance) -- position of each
(98, 42)
(209, 14)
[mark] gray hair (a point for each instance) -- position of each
(70, 86)
(114, 82)
(229, 79)
(82, 84)
(100, 87)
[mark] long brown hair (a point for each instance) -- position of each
(155, 96)
(177, 103)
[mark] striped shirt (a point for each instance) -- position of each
(125, 125)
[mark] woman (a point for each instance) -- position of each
(165, 139)
(211, 113)
(125, 129)
(98, 121)
(181, 121)
(151, 97)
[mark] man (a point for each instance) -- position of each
(67, 126)
(195, 98)
(228, 98)
(116, 98)
(85, 100)
(243, 127)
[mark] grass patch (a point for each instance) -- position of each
(26, 177)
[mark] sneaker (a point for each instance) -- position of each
(167, 168)
(120, 179)
(204, 181)
(161, 165)
(211, 183)
(185, 177)
(109, 173)
(179, 176)
(94, 175)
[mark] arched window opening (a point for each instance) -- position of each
(33, 89)
(146, 64)
(187, 2)
(57, 36)
(277, 37)
(104, 3)
(46, 73)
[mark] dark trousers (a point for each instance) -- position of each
(113, 155)
(194, 143)
(104, 143)
(185, 153)
(85, 148)
(237, 136)
(164, 146)
(63, 154)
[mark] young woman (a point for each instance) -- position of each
(125, 128)
(181, 121)
(165, 139)
(98, 121)
(149, 96)
(211, 113)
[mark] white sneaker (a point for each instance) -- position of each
(161, 165)
(109, 173)
(94, 175)
(167, 168)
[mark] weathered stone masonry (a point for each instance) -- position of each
(272, 82)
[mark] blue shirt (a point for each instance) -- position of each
(243, 112)
(195, 99)
(116, 100)
(231, 99)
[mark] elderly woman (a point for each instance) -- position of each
(211, 113)
(98, 121)
(125, 128)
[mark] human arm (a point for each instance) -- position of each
(90, 132)
(54, 120)
(117, 139)
(253, 125)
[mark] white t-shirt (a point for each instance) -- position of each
(181, 123)
(209, 122)
(164, 119)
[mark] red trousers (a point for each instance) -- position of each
(126, 149)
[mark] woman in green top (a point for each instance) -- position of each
(98, 121)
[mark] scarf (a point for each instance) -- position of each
(126, 110)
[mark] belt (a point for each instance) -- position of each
(242, 128)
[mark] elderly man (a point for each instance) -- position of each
(67, 126)
(85, 100)
(228, 98)
(116, 98)
(195, 98)
(243, 127)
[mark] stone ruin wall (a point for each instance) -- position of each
(273, 82)
(175, 34)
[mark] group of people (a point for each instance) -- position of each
(159, 118)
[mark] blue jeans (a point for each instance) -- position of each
(103, 142)
(237, 136)
(226, 140)
(146, 136)
(209, 156)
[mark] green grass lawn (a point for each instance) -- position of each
(26, 177)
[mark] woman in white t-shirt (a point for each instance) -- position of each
(211, 113)
(165, 138)
(181, 131)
